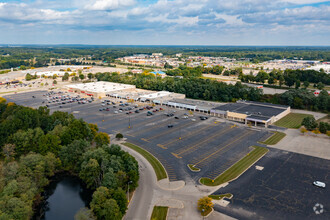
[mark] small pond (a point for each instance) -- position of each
(64, 196)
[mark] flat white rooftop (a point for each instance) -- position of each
(156, 95)
(100, 87)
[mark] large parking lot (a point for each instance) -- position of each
(212, 145)
(282, 190)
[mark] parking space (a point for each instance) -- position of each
(283, 189)
(176, 137)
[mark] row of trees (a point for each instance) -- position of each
(35, 145)
(311, 125)
(289, 78)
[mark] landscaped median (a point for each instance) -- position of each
(158, 167)
(237, 169)
(218, 197)
(275, 138)
(193, 168)
(159, 213)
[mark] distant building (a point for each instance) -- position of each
(138, 71)
(157, 54)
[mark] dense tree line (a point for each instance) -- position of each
(289, 77)
(26, 55)
(301, 99)
(35, 145)
(194, 71)
(196, 88)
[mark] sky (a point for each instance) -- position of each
(166, 22)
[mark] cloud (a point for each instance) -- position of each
(305, 1)
(198, 19)
(108, 4)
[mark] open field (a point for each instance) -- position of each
(292, 120)
(275, 138)
(238, 168)
(158, 168)
(159, 213)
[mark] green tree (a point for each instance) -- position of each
(101, 139)
(306, 84)
(84, 214)
(91, 173)
(297, 84)
(70, 155)
(309, 122)
(324, 127)
(81, 76)
(28, 77)
(119, 136)
(65, 76)
(54, 82)
(121, 199)
(103, 206)
(90, 75)
(320, 86)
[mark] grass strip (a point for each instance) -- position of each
(158, 167)
(192, 168)
(218, 197)
(275, 138)
(159, 213)
(237, 169)
(292, 120)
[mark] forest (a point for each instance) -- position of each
(23, 55)
(36, 145)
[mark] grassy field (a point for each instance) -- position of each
(191, 166)
(158, 168)
(159, 213)
(218, 197)
(275, 138)
(292, 120)
(237, 169)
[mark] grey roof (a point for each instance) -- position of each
(258, 117)
(252, 108)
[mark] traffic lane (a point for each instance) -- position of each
(283, 188)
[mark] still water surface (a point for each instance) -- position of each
(65, 197)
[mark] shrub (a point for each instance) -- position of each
(119, 136)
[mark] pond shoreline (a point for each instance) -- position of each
(40, 206)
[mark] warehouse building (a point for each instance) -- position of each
(252, 112)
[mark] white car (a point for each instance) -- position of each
(319, 184)
(116, 112)
(185, 116)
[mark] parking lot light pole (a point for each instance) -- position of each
(129, 120)
(203, 213)
(129, 182)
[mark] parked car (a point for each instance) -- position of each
(185, 116)
(116, 112)
(170, 126)
(176, 117)
(319, 184)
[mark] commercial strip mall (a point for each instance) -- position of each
(254, 113)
